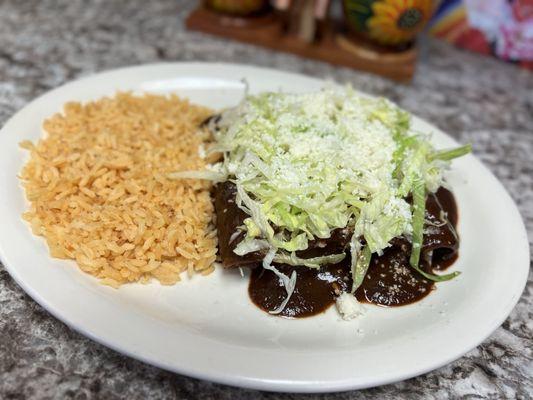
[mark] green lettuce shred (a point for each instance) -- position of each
(419, 205)
(360, 264)
(450, 154)
(314, 262)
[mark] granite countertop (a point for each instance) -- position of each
(44, 43)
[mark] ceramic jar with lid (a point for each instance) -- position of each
(388, 22)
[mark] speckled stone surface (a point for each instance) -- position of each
(44, 43)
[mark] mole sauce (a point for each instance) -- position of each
(390, 280)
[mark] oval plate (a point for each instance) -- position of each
(207, 328)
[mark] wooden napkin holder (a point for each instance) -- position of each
(332, 46)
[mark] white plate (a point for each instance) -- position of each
(207, 327)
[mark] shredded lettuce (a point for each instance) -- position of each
(450, 154)
(288, 283)
(315, 262)
(359, 265)
(250, 246)
(307, 164)
(419, 204)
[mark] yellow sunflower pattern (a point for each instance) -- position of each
(398, 21)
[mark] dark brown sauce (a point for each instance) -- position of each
(390, 280)
(230, 219)
(313, 294)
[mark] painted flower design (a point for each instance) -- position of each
(398, 21)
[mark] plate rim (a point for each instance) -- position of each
(240, 381)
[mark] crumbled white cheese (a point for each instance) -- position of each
(349, 307)
(315, 162)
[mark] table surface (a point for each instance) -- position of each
(45, 43)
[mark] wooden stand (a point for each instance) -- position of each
(334, 46)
